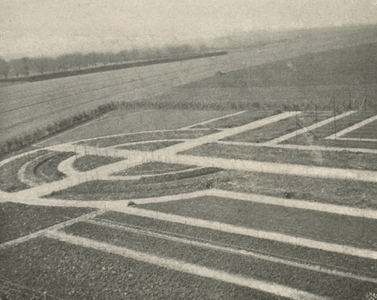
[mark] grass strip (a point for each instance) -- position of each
(74, 272)
(310, 281)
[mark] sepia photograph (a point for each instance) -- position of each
(188, 150)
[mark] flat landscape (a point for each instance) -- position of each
(260, 183)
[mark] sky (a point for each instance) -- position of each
(52, 27)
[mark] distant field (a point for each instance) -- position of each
(340, 80)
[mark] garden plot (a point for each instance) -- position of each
(366, 132)
(277, 129)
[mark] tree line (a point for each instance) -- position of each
(28, 66)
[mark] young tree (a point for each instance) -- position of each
(4, 68)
